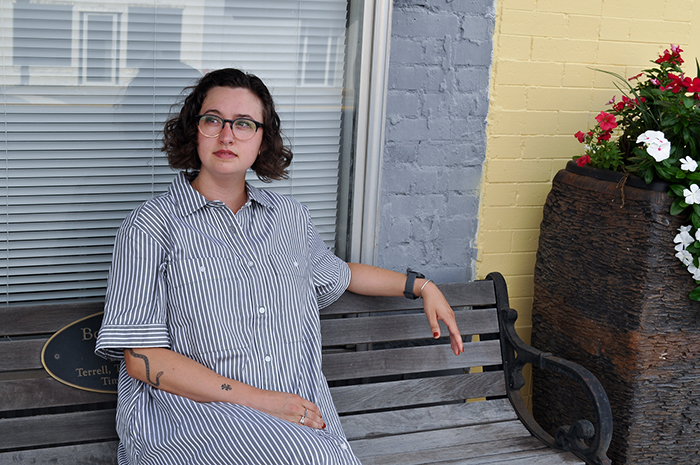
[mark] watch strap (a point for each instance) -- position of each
(410, 281)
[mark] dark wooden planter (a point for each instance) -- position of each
(610, 295)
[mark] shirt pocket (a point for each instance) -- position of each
(290, 268)
(201, 270)
(209, 304)
(294, 294)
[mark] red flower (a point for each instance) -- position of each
(681, 83)
(619, 106)
(580, 136)
(674, 56)
(606, 121)
(584, 160)
(605, 136)
(692, 85)
(635, 77)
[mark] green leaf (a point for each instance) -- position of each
(649, 176)
(695, 294)
(695, 219)
(678, 189)
(677, 207)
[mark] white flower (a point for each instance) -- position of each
(695, 271)
(688, 164)
(650, 136)
(659, 149)
(683, 239)
(697, 234)
(685, 257)
(693, 195)
(685, 228)
(656, 144)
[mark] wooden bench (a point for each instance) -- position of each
(403, 397)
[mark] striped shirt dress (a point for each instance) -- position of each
(238, 293)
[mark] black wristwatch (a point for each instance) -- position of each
(410, 280)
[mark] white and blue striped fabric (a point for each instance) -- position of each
(239, 294)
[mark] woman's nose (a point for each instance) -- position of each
(226, 135)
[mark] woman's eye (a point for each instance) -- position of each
(210, 120)
(245, 124)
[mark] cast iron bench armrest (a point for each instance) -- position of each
(516, 354)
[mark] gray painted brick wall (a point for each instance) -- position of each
(437, 103)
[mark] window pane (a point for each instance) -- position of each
(87, 87)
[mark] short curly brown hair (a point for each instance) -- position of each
(180, 132)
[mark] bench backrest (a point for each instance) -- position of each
(35, 409)
(378, 355)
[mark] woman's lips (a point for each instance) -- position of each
(225, 154)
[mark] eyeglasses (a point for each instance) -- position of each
(242, 128)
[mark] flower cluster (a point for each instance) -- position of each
(653, 132)
(656, 144)
(600, 151)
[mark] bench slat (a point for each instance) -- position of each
(402, 327)
(429, 440)
(45, 392)
(101, 453)
(64, 428)
(352, 365)
(43, 319)
(513, 451)
(372, 425)
(476, 293)
(418, 391)
(21, 355)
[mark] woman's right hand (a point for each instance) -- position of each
(290, 407)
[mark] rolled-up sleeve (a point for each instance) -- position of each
(331, 275)
(135, 303)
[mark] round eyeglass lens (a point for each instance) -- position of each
(213, 126)
(210, 126)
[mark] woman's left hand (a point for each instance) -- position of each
(436, 308)
(372, 280)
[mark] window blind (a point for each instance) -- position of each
(86, 88)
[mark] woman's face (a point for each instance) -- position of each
(224, 157)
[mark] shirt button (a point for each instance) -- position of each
(344, 446)
(296, 264)
(251, 264)
(261, 309)
(268, 358)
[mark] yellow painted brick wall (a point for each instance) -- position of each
(543, 90)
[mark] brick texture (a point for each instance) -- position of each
(437, 104)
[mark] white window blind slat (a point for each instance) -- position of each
(87, 86)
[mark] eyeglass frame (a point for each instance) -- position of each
(258, 125)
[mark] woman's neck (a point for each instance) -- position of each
(233, 194)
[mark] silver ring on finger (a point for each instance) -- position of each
(303, 419)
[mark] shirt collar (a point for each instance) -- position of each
(189, 200)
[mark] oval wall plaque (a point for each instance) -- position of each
(69, 357)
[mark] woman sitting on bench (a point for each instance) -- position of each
(213, 299)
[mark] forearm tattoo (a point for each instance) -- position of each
(226, 387)
(148, 368)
